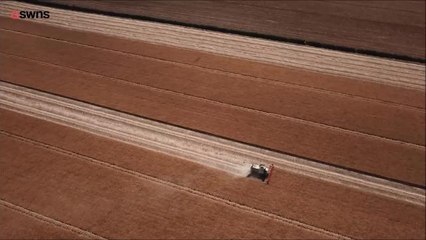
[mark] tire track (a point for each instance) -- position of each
(49, 220)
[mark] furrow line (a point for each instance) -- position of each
(49, 220)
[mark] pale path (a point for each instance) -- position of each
(222, 154)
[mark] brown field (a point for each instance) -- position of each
(61, 182)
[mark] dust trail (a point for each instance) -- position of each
(243, 170)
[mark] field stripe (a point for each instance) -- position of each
(397, 73)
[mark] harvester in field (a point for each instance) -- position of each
(262, 172)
